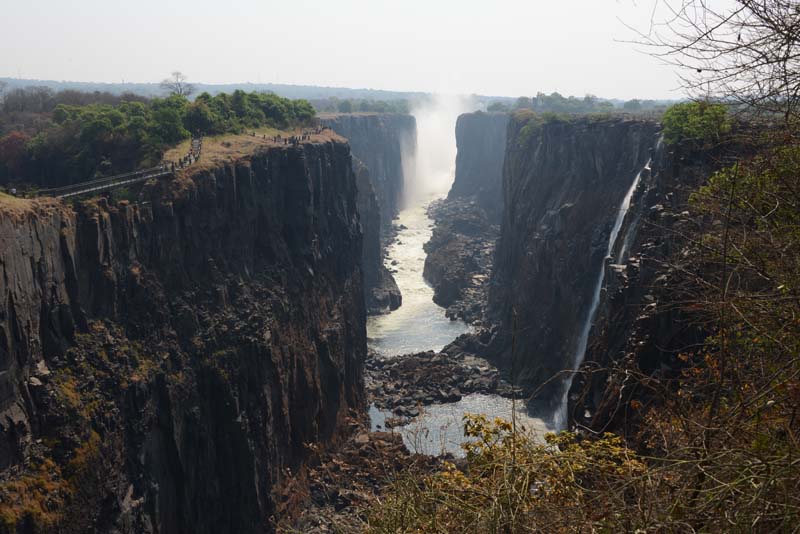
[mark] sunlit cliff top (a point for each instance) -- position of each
(232, 147)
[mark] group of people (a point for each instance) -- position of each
(188, 159)
(304, 135)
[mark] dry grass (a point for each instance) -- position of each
(9, 203)
(17, 209)
(36, 496)
(221, 149)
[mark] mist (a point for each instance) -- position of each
(430, 169)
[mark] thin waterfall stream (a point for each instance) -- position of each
(560, 415)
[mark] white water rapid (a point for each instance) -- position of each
(420, 324)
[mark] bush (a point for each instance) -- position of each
(512, 483)
(701, 124)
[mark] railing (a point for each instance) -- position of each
(108, 183)
(112, 182)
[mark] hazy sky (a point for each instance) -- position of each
(491, 47)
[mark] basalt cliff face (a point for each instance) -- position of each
(563, 182)
(164, 364)
(460, 251)
(380, 289)
(379, 142)
(481, 142)
(642, 323)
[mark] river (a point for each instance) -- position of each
(420, 325)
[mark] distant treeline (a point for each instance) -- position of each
(307, 92)
(556, 103)
(57, 138)
(350, 105)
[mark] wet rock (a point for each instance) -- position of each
(403, 383)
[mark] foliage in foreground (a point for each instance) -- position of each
(513, 483)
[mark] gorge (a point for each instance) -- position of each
(414, 268)
(211, 340)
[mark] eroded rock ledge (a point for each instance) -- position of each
(404, 383)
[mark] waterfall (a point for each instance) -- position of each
(626, 203)
(631, 233)
(430, 170)
(560, 416)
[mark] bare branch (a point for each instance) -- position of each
(177, 84)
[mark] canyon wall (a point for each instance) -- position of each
(164, 364)
(379, 142)
(642, 323)
(563, 182)
(381, 293)
(481, 142)
(459, 254)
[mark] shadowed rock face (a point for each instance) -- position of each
(481, 141)
(379, 141)
(563, 182)
(171, 358)
(642, 322)
(459, 258)
(380, 290)
(460, 251)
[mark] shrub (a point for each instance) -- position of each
(512, 483)
(699, 123)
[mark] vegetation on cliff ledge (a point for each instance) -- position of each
(51, 140)
(703, 124)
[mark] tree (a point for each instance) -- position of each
(632, 105)
(497, 106)
(177, 84)
(167, 114)
(30, 99)
(13, 148)
(746, 53)
(199, 119)
(700, 123)
(345, 106)
(523, 102)
(3, 87)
